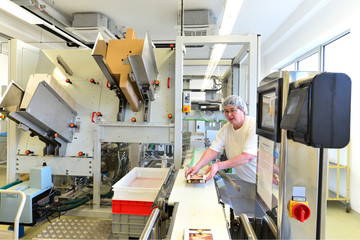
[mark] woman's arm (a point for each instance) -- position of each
(236, 161)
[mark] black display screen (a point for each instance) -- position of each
(268, 111)
(293, 108)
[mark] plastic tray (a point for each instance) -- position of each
(140, 184)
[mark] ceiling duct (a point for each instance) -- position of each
(54, 21)
(82, 29)
(199, 23)
(87, 26)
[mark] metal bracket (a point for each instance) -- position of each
(122, 110)
(145, 93)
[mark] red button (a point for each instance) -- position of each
(185, 109)
(301, 212)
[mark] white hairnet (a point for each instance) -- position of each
(235, 101)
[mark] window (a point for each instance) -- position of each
(290, 67)
(310, 63)
(332, 55)
(307, 62)
(335, 53)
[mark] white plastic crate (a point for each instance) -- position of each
(140, 184)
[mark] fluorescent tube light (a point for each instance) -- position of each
(214, 59)
(231, 12)
(19, 12)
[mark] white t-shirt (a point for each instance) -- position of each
(235, 142)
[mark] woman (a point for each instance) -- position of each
(239, 140)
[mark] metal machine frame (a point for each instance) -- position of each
(252, 43)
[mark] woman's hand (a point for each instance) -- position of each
(191, 171)
(212, 170)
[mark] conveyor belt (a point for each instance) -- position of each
(194, 193)
(199, 216)
(196, 206)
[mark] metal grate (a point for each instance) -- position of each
(77, 229)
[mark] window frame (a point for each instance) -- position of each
(318, 49)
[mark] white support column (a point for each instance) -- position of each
(97, 167)
(253, 74)
(179, 62)
(12, 142)
(12, 130)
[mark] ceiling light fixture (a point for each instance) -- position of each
(231, 12)
(19, 12)
(28, 17)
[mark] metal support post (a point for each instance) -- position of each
(97, 167)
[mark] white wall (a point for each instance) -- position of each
(3, 70)
(304, 30)
(3, 83)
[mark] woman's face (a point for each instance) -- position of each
(234, 115)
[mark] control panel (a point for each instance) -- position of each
(186, 101)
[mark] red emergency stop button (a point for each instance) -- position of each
(301, 212)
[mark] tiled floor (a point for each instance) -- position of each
(339, 224)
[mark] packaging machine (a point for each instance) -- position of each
(93, 115)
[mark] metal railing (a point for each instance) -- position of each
(15, 234)
(149, 227)
(250, 234)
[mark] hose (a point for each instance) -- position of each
(11, 184)
(76, 203)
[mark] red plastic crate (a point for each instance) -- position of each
(131, 207)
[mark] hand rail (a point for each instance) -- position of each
(247, 226)
(18, 214)
(150, 224)
(271, 225)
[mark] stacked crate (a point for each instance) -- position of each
(134, 195)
